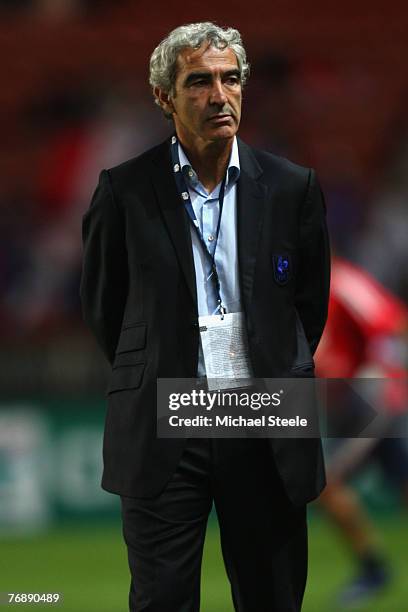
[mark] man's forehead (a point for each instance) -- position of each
(207, 57)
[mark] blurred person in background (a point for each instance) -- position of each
(365, 336)
(151, 270)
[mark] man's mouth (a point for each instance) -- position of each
(220, 117)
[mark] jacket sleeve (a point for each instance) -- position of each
(104, 281)
(313, 269)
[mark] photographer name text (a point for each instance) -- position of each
(238, 421)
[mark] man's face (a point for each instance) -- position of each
(206, 103)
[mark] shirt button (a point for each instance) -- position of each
(190, 173)
(210, 238)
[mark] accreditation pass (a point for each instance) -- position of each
(225, 348)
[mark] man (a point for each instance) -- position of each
(204, 225)
(365, 336)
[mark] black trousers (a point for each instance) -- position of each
(263, 536)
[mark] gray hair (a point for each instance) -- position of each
(163, 61)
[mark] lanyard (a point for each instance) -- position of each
(185, 195)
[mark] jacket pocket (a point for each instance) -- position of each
(303, 364)
(132, 338)
(126, 377)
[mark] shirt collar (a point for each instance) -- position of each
(233, 170)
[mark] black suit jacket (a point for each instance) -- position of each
(139, 298)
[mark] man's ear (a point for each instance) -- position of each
(164, 100)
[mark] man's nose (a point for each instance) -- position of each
(217, 93)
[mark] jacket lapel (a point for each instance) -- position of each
(251, 204)
(174, 215)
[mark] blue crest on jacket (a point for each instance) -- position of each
(281, 269)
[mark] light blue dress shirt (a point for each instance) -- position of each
(206, 209)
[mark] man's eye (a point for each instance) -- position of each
(232, 80)
(199, 83)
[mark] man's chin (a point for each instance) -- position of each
(224, 132)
